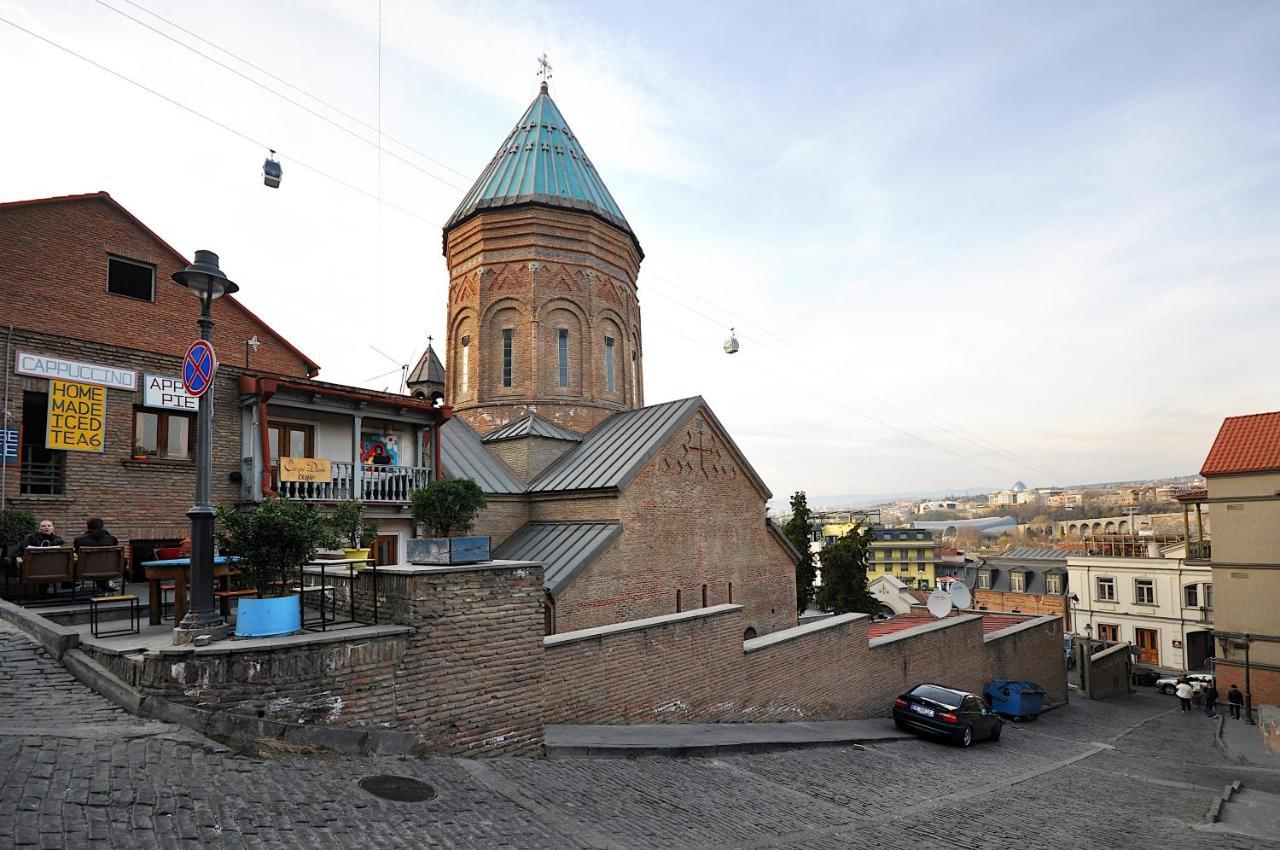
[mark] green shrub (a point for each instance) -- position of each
(448, 506)
(15, 525)
(351, 526)
(275, 539)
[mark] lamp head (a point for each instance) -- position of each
(1224, 641)
(204, 278)
(1088, 629)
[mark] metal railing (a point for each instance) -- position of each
(1199, 550)
(381, 484)
(41, 478)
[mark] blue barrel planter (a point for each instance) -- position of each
(274, 615)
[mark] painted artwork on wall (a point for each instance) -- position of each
(380, 449)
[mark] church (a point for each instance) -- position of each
(635, 511)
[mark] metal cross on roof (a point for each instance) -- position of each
(544, 68)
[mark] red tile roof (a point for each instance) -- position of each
(1245, 444)
(990, 622)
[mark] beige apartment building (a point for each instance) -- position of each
(1161, 605)
(1242, 474)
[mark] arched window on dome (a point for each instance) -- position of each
(608, 365)
(562, 357)
(464, 366)
(508, 357)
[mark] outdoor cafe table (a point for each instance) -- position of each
(176, 571)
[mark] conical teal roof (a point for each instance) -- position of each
(541, 162)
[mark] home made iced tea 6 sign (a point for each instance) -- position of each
(77, 417)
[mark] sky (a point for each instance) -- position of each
(962, 244)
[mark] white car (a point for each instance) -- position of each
(1169, 684)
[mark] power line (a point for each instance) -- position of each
(380, 201)
(226, 127)
(293, 86)
(284, 97)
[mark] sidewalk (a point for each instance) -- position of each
(1242, 743)
(708, 739)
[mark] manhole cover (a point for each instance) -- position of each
(402, 789)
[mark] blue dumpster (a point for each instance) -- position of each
(1015, 699)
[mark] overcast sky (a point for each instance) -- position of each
(962, 244)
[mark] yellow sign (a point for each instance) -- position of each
(305, 469)
(77, 417)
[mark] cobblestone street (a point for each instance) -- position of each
(77, 772)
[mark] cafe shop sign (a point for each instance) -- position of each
(309, 469)
(168, 393)
(77, 417)
(45, 366)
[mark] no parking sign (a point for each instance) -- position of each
(198, 368)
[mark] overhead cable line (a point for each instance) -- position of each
(284, 97)
(228, 128)
(376, 197)
(293, 86)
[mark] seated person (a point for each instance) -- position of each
(97, 536)
(40, 538)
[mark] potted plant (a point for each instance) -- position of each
(274, 540)
(446, 508)
(351, 526)
(15, 525)
(139, 453)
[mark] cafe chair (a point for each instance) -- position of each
(48, 565)
(101, 563)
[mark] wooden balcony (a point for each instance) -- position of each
(392, 485)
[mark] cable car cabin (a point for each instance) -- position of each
(731, 344)
(271, 173)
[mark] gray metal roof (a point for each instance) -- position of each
(532, 425)
(1038, 553)
(428, 370)
(616, 449)
(464, 456)
(565, 549)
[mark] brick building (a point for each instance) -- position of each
(636, 511)
(87, 295)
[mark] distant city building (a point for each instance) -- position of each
(909, 554)
(991, 526)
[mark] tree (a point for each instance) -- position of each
(448, 506)
(797, 531)
(844, 574)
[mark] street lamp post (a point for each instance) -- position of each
(207, 282)
(1242, 642)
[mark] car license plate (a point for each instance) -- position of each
(920, 709)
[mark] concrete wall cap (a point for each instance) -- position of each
(1109, 651)
(1021, 627)
(239, 647)
(775, 638)
(435, 569)
(638, 625)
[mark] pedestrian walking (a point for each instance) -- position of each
(1184, 692)
(1211, 699)
(1235, 699)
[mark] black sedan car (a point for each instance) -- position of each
(959, 716)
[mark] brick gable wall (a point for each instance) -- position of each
(53, 280)
(690, 518)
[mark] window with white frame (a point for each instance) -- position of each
(1018, 581)
(1208, 596)
(1144, 591)
(1105, 590)
(1052, 582)
(984, 579)
(1191, 596)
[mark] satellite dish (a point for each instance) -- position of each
(939, 603)
(961, 595)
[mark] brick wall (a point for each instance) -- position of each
(502, 516)
(1109, 672)
(1263, 681)
(694, 667)
(671, 542)
(1023, 603)
(137, 500)
(53, 279)
(466, 673)
(537, 271)
(527, 456)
